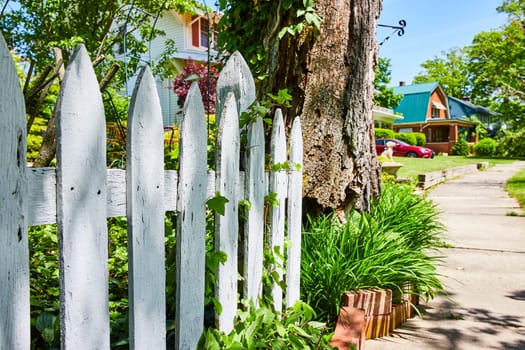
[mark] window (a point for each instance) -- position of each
(435, 113)
(441, 134)
(201, 33)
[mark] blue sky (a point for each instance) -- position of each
(432, 27)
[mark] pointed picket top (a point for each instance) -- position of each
(81, 207)
(278, 185)
(227, 225)
(191, 232)
(237, 78)
(145, 212)
(294, 215)
(254, 226)
(14, 254)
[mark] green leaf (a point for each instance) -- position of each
(281, 330)
(317, 324)
(282, 33)
(299, 331)
(287, 4)
(279, 344)
(218, 203)
(45, 323)
(236, 346)
(246, 204)
(271, 199)
(308, 3)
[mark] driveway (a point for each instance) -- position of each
(484, 269)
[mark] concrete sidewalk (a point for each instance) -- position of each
(485, 271)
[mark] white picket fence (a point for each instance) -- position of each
(80, 194)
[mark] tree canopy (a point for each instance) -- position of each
(43, 34)
(34, 28)
(451, 71)
(383, 95)
(491, 70)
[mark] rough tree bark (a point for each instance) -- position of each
(332, 73)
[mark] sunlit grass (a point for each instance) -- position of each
(516, 187)
(412, 167)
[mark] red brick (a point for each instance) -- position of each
(349, 329)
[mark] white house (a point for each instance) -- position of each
(190, 35)
(384, 117)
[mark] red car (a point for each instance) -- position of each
(403, 149)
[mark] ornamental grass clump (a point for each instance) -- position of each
(385, 248)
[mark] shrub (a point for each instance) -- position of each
(382, 249)
(384, 133)
(461, 148)
(262, 328)
(408, 137)
(421, 139)
(34, 138)
(206, 79)
(485, 147)
(512, 144)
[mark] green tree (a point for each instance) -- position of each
(497, 62)
(490, 70)
(383, 95)
(327, 66)
(43, 34)
(450, 70)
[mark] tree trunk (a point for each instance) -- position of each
(334, 73)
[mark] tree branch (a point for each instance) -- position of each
(110, 74)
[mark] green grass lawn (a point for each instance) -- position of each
(516, 187)
(412, 167)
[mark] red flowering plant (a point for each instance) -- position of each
(206, 76)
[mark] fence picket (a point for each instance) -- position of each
(145, 212)
(294, 215)
(81, 193)
(14, 254)
(278, 185)
(81, 208)
(191, 226)
(227, 225)
(254, 227)
(235, 77)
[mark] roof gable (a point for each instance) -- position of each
(416, 99)
(460, 108)
(416, 88)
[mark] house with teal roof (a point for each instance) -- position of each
(425, 108)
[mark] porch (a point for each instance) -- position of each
(442, 134)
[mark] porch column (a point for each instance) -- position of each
(453, 133)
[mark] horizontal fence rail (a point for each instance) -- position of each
(81, 193)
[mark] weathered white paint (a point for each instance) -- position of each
(145, 213)
(227, 225)
(81, 208)
(278, 184)
(42, 193)
(191, 215)
(235, 77)
(116, 183)
(254, 227)
(294, 215)
(14, 255)
(42, 208)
